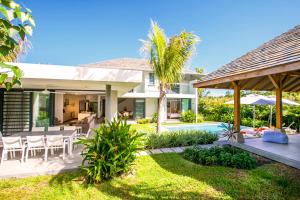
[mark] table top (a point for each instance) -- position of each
(66, 133)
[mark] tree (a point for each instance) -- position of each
(167, 57)
(16, 24)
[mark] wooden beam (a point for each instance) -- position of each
(292, 85)
(237, 105)
(284, 79)
(296, 89)
(287, 83)
(248, 82)
(251, 74)
(296, 86)
(274, 82)
(278, 92)
(259, 83)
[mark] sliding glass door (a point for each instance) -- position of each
(139, 108)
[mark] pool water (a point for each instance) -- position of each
(211, 127)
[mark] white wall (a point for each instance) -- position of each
(59, 106)
(150, 107)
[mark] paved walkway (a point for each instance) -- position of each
(55, 164)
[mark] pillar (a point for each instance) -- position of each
(99, 107)
(111, 104)
(279, 107)
(237, 106)
(196, 104)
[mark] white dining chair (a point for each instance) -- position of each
(34, 143)
(12, 145)
(54, 128)
(78, 136)
(38, 129)
(55, 142)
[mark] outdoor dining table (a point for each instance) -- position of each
(67, 134)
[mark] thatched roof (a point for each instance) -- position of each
(129, 64)
(281, 51)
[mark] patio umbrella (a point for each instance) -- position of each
(254, 99)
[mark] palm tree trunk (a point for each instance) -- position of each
(160, 111)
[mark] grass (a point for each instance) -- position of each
(164, 176)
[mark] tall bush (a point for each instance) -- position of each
(110, 152)
(188, 116)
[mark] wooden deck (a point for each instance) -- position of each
(288, 154)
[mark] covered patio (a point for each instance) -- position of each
(274, 66)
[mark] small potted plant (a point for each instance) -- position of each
(231, 134)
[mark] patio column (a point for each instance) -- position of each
(237, 105)
(111, 103)
(196, 103)
(99, 107)
(279, 107)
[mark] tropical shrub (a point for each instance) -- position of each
(179, 138)
(200, 118)
(154, 118)
(143, 121)
(188, 116)
(224, 156)
(110, 152)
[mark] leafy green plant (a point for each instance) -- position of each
(154, 118)
(110, 152)
(200, 118)
(188, 116)
(15, 24)
(143, 121)
(225, 156)
(179, 138)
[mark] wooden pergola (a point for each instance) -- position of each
(274, 66)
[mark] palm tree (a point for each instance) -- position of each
(167, 57)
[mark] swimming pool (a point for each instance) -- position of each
(211, 127)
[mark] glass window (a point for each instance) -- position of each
(175, 88)
(185, 105)
(173, 108)
(151, 79)
(41, 113)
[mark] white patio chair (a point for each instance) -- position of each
(34, 143)
(37, 129)
(12, 145)
(55, 142)
(78, 136)
(54, 128)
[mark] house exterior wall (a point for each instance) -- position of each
(150, 92)
(151, 107)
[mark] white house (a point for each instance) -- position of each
(56, 94)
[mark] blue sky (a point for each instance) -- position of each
(75, 32)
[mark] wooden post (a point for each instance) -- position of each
(237, 105)
(279, 107)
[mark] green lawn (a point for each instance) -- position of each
(164, 176)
